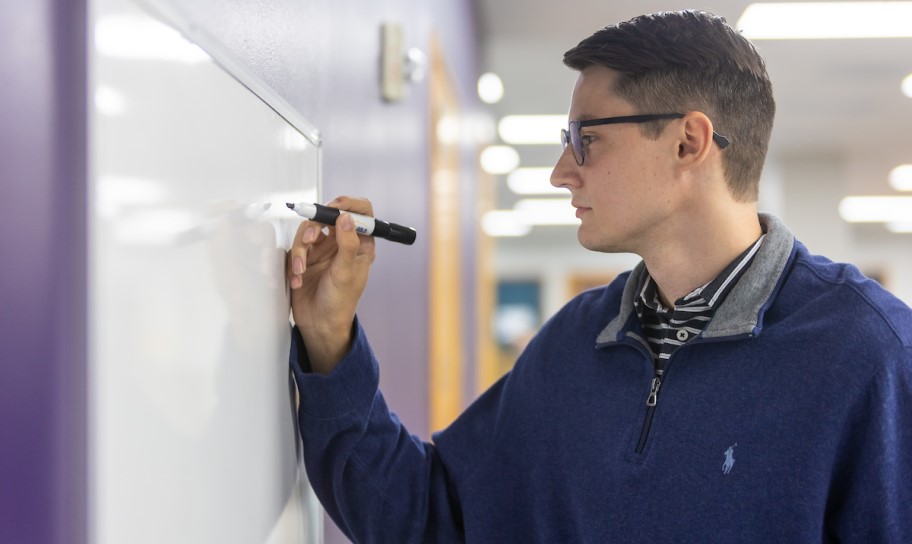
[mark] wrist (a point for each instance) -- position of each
(327, 347)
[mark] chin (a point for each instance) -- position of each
(598, 244)
(588, 242)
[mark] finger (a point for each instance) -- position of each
(348, 243)
(353, 204)
(297, 259)
(295, 266)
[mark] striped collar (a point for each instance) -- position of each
(711, 294)
(743, 312)
(667, 329)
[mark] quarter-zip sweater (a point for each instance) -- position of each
(788, 419)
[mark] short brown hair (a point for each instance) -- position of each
(675, 62)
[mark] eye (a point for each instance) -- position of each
(586, 139)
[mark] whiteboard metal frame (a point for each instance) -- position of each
(224, 57)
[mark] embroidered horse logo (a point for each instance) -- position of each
(729, 459)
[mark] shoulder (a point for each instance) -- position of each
(841, 295)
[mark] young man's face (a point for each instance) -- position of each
(624, 193)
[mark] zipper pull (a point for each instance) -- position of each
(654, 392)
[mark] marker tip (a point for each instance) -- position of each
(290, 205)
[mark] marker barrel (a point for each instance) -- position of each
(366, 225)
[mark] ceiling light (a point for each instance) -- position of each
(448, 130)
(533, 181)
(109, 101)
(504, 223)
(900, 228)
(876, 209)
(499, 159)
(906, 86)
(138, 38)
(547, 211)
(531, 129)
(901, 177)
(113, 194)
(490, 88)
(154, 227)
(820, 20)
(527, 213)
(470, 129)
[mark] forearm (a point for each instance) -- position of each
(377, 482)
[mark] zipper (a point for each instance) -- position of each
(651, 401)
(653, 397)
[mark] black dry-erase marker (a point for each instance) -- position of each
(368, 226)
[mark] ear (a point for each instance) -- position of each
(695, 140)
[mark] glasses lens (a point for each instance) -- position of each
(576, 142)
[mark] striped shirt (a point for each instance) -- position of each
(667, 329)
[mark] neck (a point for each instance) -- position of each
(694, 252)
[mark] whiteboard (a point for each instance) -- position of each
(193, 436)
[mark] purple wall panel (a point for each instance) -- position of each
(42, 272)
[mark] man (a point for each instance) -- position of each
(731, 388)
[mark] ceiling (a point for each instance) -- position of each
(834, 97)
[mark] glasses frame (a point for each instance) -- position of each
(573, 138)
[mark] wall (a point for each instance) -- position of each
(42, 271)
(323, 58)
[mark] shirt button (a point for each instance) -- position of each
(682, 335)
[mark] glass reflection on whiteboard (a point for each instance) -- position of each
(193, 429)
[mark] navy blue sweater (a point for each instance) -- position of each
(789, 419)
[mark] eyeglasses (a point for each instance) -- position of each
(574, 139)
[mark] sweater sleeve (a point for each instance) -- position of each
(871, 499)
(376, 481)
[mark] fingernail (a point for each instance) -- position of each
(309, 234)
(297, 265)
(348, 224)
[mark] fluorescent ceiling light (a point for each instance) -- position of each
(499, 159)
(113, 194)
(876, 209)
(531, 129)
(527, 213)
(504, 223)
(109, 101)
(533, 181)
(900, 228)
(154, 227)
(490, 88)
(547, 211)
(901, 178)
(138, 38)
(820, 20)
(470, 129)
(906, 86)
(448, 129)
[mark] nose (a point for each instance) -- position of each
(565, 171)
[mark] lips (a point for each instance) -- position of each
(580, 210)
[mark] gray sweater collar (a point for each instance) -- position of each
(740, 313)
